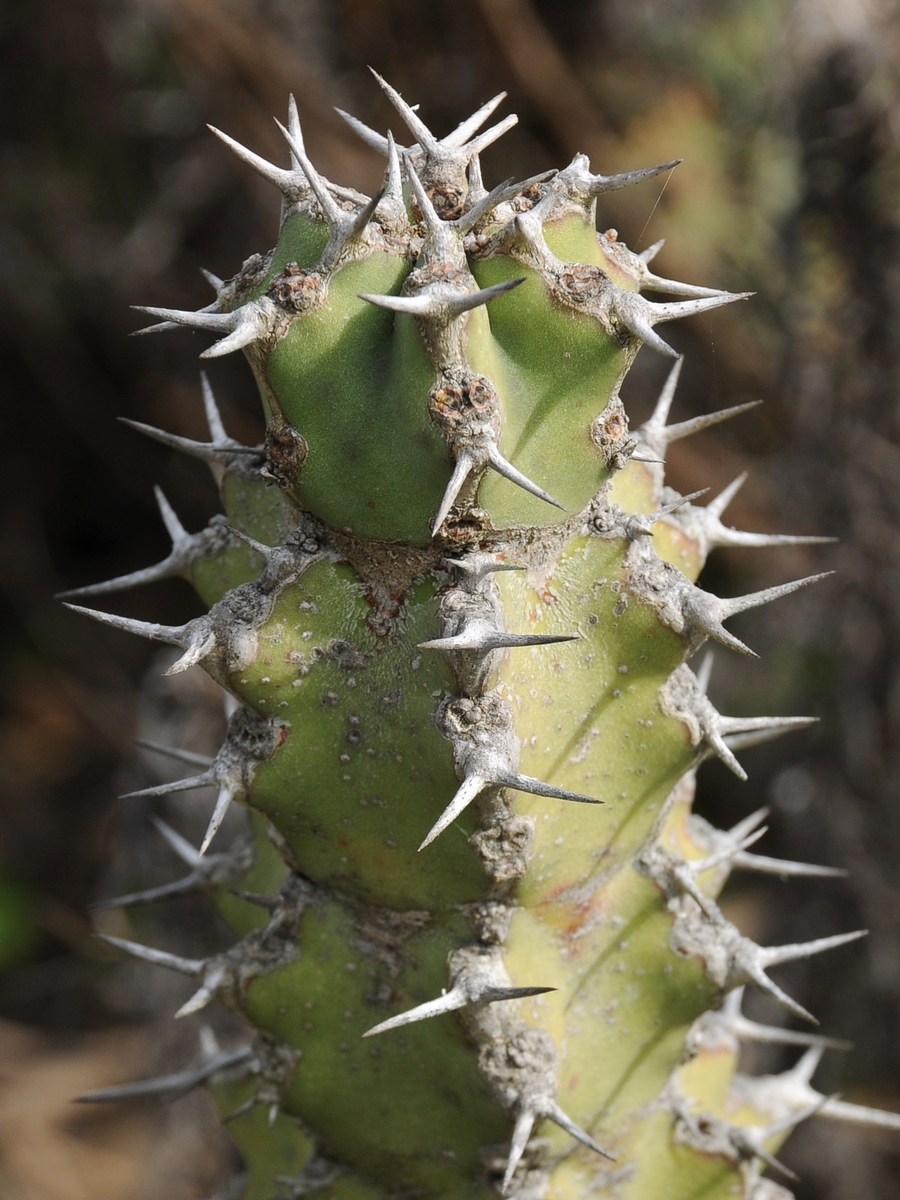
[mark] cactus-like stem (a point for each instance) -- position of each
(460, 624)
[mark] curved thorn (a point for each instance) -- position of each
(508, 471)
(200, 999)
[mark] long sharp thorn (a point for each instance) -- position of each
(393, 181)
(675, 310)
(537, 787)
(757, 976)
(463, 465)
(480, 143)
(165, 891)
(294, 126)
(207, 779)
(466, 301)
(739, 604)
(751, 1031)
(178, 844)
(167, 569)
(175, 752)
(369, 136)
(496, 640)
(470, 787)
(455, 999)
(468, 128)
(174, 527)
(416, 126)
(683, 429)
(436, 226)
(560, 1118)
(638, 325)
(179, 1083)
(611, 183)
(211, 409)
(859, 1114)
(771, 956)
(723, 751)
(212, 321)
(207, 451)
(285, 181)
(364, 216)
(508, 471)
(656, 283)
(521, 1134)
(226, 794)
(784, 868)
(172, 635)
(213, 280)
(159, 958)
(329, 206)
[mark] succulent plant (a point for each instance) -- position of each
(453, 605)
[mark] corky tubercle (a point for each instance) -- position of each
(453, 606)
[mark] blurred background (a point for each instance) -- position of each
(787, 116)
